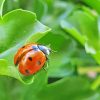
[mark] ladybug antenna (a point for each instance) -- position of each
(53, 51)
(49, 45)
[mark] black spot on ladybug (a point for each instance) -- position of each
(23, 47)
(27, 71)
(38, 63)
(30, 58)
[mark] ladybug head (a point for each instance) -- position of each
(44, 49)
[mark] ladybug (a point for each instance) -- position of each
(31, 58)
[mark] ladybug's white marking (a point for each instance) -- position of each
(35, 47)
(44, 49)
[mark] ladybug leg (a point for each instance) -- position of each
(16, 64)
(47, 59)
(45, 67)
(47, 63)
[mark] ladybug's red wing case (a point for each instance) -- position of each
(32, 62)
(31, 58)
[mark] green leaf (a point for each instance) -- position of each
(37, 6)
(1, 6)
(17, 28)
(40, 81)
(82, 26)
(95, 4)
(68, 88)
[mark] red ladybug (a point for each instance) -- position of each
(31, 58)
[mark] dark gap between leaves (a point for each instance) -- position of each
(52, 80)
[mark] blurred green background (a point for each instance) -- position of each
(72, 30)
